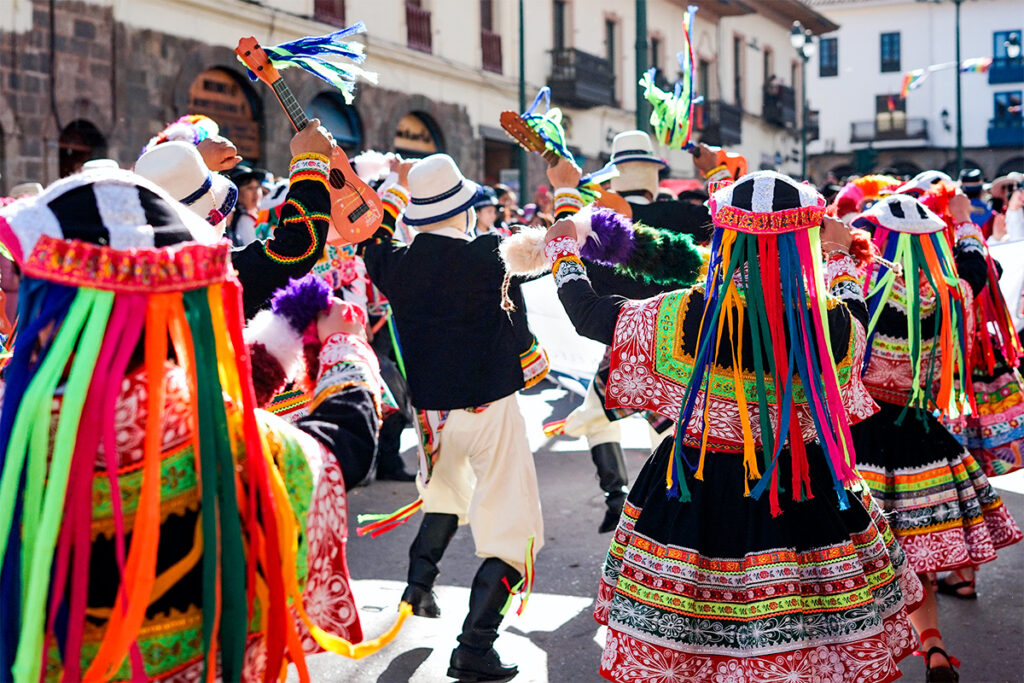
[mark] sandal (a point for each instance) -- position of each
(938, 674)
(955, 589)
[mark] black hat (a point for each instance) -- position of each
(972, 175)
(243, 173)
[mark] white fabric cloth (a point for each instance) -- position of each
(1015, 225)
(454, 233)
(485, 474)
(589, 420)
(245, 229)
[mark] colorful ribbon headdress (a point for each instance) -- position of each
(115, 267)
(319, 56)
(548, 124)
(767, 236)
(672, 113)
(908, 233)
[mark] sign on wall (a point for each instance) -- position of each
(216, 93)
(413, 135)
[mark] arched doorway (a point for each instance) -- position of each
(226, 98)
(902, 169)
(1009, 166)
(79, 142)
(953, 172)
(842, 171)
(418, 135)
(338, 117)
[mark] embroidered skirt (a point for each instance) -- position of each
(936, 498)
(995, 435)
(718, 589)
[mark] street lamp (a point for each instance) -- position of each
(802, 41)
(959, 112)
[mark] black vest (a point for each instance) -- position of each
(460, 348)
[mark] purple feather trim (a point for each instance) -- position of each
(301, 301)
(611, 239)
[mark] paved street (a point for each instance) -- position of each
(557, 639)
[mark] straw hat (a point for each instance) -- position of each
(179, 169)
(438, 190)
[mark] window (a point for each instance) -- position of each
(330, 11)
(417, 23)
(609, 41)
(890, 113)
(656, 52)
(704, 79)
(890, 48)
(768, 66)
(559, 24)
(1007, 107)
(737, 70)
(490, 40)
(1000, 39)
(487, 15)
(828, 50)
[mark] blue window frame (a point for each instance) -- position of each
(890, 51)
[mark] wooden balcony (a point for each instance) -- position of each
(417, 23)
(889, 127)
(1007, 131)
(582, 80)
(719, 123)
(779, 108)
(490, 46)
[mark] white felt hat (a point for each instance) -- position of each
(26, 189)
(901, 213)
(438, 190)
(179, 169)
(109, 207)
(923, 182)
(634, 145)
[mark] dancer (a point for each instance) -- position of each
(725, 575)
(264, 266)
(637, 182)
(465, 359)
(941, 507)
(154, 534)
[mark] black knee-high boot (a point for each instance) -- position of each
(475, 659)
(436, 531)
(612, 477)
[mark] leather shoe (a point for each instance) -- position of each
(423, 602)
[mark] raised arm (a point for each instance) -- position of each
(299, 238)
(593, 316)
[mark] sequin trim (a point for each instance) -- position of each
(789, 220)
(170, 269)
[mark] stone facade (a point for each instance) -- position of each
(128, 83)
(993, 161)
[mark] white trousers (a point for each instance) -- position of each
(590, 420)
(485, 474)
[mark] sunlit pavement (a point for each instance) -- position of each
(556, 639)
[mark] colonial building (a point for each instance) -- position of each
(96, 78)
(856, 82)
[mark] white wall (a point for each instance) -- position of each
(453, 73)
(926, 37)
